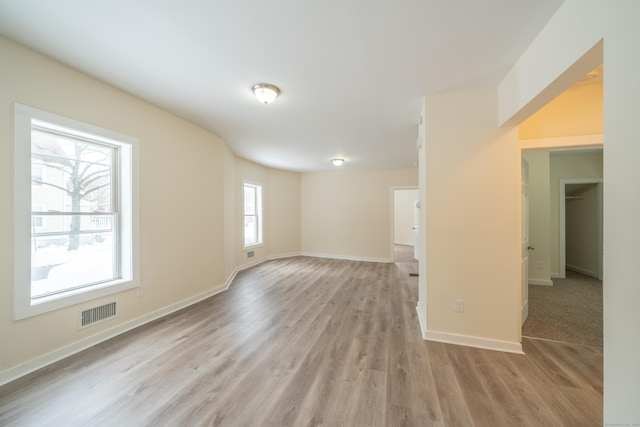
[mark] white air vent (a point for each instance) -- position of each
(91, 316)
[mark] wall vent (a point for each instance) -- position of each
(250, 254)
(91, 316)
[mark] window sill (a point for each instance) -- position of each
(30, 307)
(252, 247)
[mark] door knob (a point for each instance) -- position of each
(531, 248)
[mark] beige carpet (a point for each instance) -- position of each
(569, 311)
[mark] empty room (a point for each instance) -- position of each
(283, 214)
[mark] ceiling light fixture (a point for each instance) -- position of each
(337, 162)
(265, 92)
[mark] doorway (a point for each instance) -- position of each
(581, 206)
(566, 206)
(404, 224)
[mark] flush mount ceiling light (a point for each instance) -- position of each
(265, 92)
(337, 162)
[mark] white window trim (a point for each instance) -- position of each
(129, 197)
(259, 213)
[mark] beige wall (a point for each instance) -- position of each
(567, 165)
(190, 206)
(403, 209)
(472, 181)
(232, 237)
(539, 218)
(577, 111)
(550, 64)
(280, 210)
(181, 187)
(347, 213)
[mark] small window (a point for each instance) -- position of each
(37, 175)
(79, 212)
(252, 214)
(37, 221)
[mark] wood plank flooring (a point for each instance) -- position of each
(308, 342)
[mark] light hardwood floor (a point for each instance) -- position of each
(305, 341)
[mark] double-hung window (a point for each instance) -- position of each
(252, 206)
(75, 212)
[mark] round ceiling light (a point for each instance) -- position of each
(265, 92)
(337, 162)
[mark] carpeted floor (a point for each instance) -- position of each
(569, 311)
(403, 253)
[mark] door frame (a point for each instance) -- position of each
(392, 237)
(563, 222)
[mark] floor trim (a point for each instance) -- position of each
(582, 271)
(345, 257)
(484, 343)
(39, 362)
(540, 282)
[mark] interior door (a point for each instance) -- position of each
(416, 225)
(525, 247)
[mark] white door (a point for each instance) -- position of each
(416, 224)
(525, 242)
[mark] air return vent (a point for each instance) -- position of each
(91, 316)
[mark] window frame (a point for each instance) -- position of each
(259, 208)
(128, 196)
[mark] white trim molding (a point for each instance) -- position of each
(582, 271)
(477, 342)
(540, 282)
(39, 362)
(563, 143)
(423, 325)
(346, 257)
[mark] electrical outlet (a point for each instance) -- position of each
(458, 305)
(139, 291)
(539, 265)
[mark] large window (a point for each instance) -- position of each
(252, 214)
(74, 192)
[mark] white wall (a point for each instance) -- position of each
(472, 178)
(552, 62)
(347, 214)
(539, 218)
(403, 209)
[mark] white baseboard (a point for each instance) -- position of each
(582, 270)
(540, 282)
(423, 325)
(468, 341)
(345, 257)
(556, 276)
(39, 362)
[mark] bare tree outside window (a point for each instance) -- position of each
(84, 176)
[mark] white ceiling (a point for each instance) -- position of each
(352, 72)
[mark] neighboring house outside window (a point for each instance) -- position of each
(84, 243)
(252, 207)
